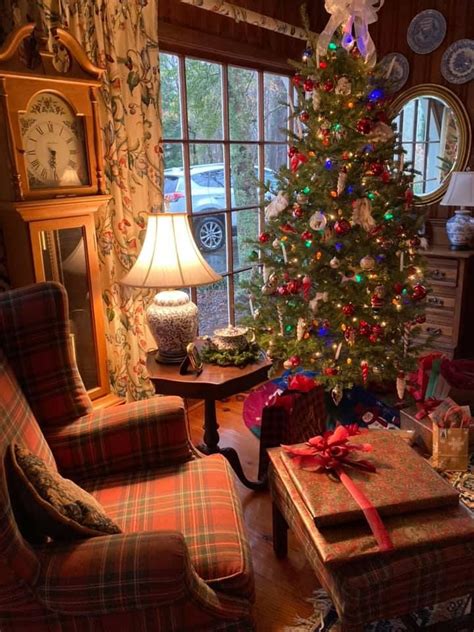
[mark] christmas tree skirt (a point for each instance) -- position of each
(325, 619)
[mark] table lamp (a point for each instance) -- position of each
(460, 192)
(169, 260)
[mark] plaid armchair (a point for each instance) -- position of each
(182, 562)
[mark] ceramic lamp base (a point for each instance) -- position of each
(459, 228)
(173, 320)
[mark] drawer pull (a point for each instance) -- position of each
(434, 330)
(437, 274)
(434, 300)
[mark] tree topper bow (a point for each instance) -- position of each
(351, 14)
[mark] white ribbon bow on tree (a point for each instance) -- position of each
(351, 14)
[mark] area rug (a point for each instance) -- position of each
(325, 619)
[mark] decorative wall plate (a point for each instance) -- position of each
(426, 31)
(395, 68)
(457, 63)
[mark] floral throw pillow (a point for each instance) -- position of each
(56, 506)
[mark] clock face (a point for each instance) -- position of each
(53, 143)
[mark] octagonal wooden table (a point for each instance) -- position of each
(213, 383)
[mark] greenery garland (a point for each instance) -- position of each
(235, 357)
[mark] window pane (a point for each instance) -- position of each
(244, 227)
(243, 104)
(207, 177)
(275, 158)
(204, 95)
(244, 170)
(433, 168)
(210, 236)
(213, 307)
(275, 107)
(171, 116)
(174, 185)
(242, 303)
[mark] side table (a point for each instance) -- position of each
(215, 382)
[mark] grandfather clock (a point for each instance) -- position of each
(52, 183)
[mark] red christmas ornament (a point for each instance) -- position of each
(348, 310)
(364, 125)
(297, 211)
(328, 85)
(376, 230)
(297, 160)
(377, 330)
(408, 199)
(419, 292)
(326, 141)
(330, 370)
(349, 335)
(304, 117)
(287, 228)
(364, 328)
(398, 287)
(342, 227)
(420, 319)
(293, 287)
(307, 235)
(323, 64)
(373, 338)
(364, 366)
(345, 155)
(386, 177)
(297, 80)
(283, 290)
(295, 360)
(263, 237)
(308, 85)
(376, 302)
(292, 151)
(376, 168)
(307, 283)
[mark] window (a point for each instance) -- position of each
(224, 130)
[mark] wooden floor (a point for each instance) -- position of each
(283, 586)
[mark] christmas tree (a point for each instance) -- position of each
(341, 285)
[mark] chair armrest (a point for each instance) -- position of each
(119, 573)
(144, 434)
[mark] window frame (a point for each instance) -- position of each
(226, 143)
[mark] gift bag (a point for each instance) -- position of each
(450, 436)
(294, 416)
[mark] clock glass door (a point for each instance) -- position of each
(64, 260)
(53, 144)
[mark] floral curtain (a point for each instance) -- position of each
(122, 38)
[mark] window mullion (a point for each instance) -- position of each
(229, 246)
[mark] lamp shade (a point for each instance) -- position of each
(460, 189)
(169, 257)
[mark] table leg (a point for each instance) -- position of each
(211, 446)
(280, 532)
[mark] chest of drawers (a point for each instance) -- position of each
(450, 305)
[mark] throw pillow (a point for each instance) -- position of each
(56, 506)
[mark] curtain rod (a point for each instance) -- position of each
(239, 14)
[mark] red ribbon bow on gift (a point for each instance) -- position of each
(298, 383)
(331, 452)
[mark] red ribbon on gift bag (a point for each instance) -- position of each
(332, 453)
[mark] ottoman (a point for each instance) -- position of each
(380, 586)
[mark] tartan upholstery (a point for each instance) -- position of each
(142, 434)
(307, 419)
(381, 587)
(147, 579)
(209, 516)
(34, 335)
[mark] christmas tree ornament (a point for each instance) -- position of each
(377, 330)
(364, 367)
(304, 117)
(307, 284)
(287, 364)
(362, 214)
(419, 292)
(341, 181)
(276, 206)
(328, 86)
(307, 235)
(288, 228)
(334, 263)
(297, 160)
(364, 328)
(336, 394)
(300, 329)
(308, 85)
(330, 370)
(302, 198)
(263, 238)
(342, 227)
(283, 251)
(350, 336)
(373, 338)
(295, 361)
(348, 309)
(293, 287)
(318, 221)
(297, 211)
(419, 320)
(380, 132)
(398, 287)
(376, 302)
(367, 262)
(376, 168)
(343, 86)
(280, 319)
(297, 80)
(400, 384)
(408, 199)
(316, 100)
(364, 125)
(338, 351)
(268, 272)
(320, 296)
(276, 243)
(386, 177)
(292, 151)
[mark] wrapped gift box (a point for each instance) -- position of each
(403, 483)
(423, 429)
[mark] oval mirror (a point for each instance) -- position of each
(435, 130)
